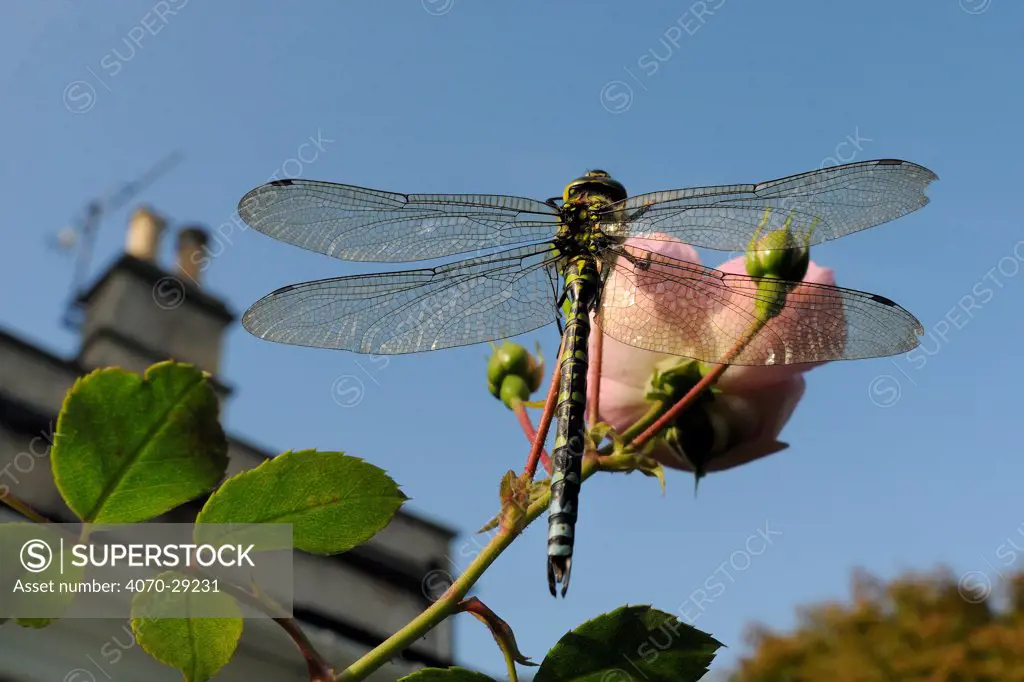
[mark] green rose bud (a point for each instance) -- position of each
(777, 259)
(778, 254)
(513, 374)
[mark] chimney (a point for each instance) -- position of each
(138, 312)
(191, 242)
(144, 231)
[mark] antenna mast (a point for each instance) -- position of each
(87, 227)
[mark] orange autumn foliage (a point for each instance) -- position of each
(918, 628)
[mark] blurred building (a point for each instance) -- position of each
(137, 313)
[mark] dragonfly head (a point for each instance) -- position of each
(595, 183)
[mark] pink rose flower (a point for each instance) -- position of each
(755, 402)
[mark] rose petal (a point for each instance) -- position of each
(756, 401)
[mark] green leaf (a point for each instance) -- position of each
(630, 643)
(129, 448)
(198, 647)
(13, 537)
(334, 502)
(446, 675)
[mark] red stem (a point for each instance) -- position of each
(545, 422)
(687, 400)
(674, 411)
(531, 434)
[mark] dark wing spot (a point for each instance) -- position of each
(883, 300)
(281, 183)
(890, 162)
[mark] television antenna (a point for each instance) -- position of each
(80, 236)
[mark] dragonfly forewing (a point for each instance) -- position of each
(359, 224)
(473, 301)
(830, 202)
(661, 304)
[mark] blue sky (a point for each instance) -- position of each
(895, 464)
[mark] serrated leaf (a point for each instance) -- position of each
(632, 642)
(334, 502)
(198, 647)
(129, 448)
(13, 538)
(446, 675)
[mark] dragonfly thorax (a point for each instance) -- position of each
(584, 200)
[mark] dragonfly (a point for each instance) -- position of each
(562, 260)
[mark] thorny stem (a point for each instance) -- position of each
(449, 601)
(705, 382)
(531, 433)
(545, 420)
(22, 507)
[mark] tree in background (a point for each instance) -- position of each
(918, 628)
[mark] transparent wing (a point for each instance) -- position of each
(661, 304)
(843, 199)
(357, 224)
(472, 301)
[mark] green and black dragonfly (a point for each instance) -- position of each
(537, 262)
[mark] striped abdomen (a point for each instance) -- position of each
(581, 286)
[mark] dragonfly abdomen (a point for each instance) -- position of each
(581, 286)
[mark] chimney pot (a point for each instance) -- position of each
(144, 231)
(191, 242)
